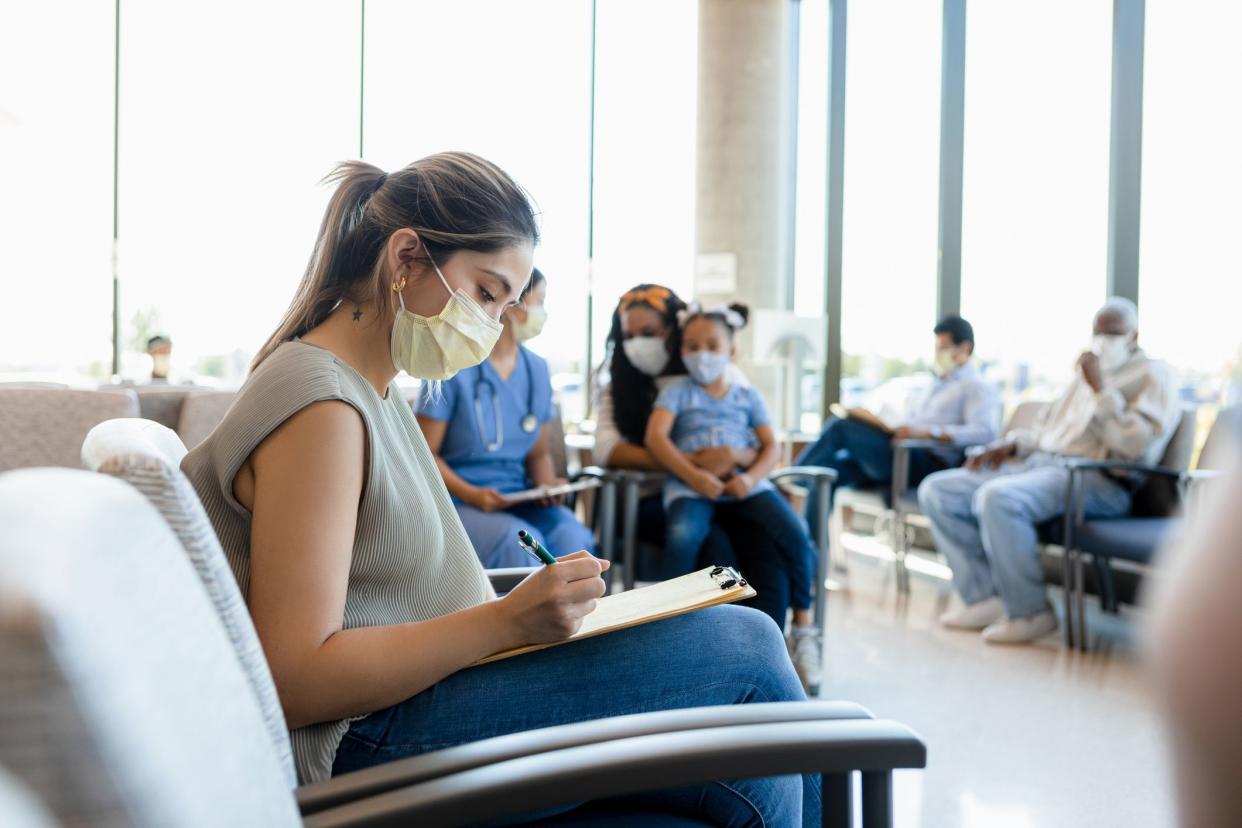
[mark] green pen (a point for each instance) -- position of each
(535, 547)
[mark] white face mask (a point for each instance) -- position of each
(944, 362)
(1113, 350)
(648, 354)
(705, 367)
(437, 347)
(536, 316)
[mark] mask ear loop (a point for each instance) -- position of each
(397, 287)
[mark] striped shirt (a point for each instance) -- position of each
(411, 558)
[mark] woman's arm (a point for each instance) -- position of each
(611, 448)
(306, 485)
(539, 461)
(489, 500)
(659, 426)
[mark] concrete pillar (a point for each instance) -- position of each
(746, 155)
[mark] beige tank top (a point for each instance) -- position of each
(411, 560)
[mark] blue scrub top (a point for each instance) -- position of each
(469, 435)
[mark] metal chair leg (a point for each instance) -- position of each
(838, 798)
(629, 529)
(877, 799)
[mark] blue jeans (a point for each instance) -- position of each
(861, 456)
(721, 655)
(985, 524)
(771, 524)
(494, 534)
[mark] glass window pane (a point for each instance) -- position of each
(1191, 248)
(1035, 213)
(645, 131)
(231, 113)
(56, 61)
(892, 136)
(515, 91)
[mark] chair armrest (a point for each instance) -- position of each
(816, 473)
(1202, 475)
(639, 476)
(633, 765)
(1083, 464)
(405, 772)
(922, 444)
(506, 579)
(595, 472)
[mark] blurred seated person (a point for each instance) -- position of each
(960, 409)
(159, 348)
(488, 428)
(1195, 649)
(1120, 405)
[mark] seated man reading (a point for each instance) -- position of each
(960, 409)
(1120, 405)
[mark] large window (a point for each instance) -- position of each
(1191, 248)
(222, 148)
(56, 196)
(1035, 189)
(645, 131)
(892, 123)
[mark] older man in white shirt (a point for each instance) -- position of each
(1120, 405)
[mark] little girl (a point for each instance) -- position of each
(702, 411)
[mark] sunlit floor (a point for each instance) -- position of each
(1017, 736)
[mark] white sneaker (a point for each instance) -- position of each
(975, 616)
(1021, 630)
(806, 647)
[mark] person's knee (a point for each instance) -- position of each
(930, 493)
(749, 642)
(997, 499)
(572, 536)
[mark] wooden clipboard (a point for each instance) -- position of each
(676, 596)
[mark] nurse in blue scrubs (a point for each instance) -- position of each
(488, 427)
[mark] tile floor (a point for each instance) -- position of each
(1028, 737)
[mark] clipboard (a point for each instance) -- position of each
(708, 587)
(540, 492)
(861, 415)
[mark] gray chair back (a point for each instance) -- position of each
(121, 699)
(1159, 496)
(162, 403)
(201, 412)
(148, 456)
(46, 426)
(1025, 415)
(1219, 450)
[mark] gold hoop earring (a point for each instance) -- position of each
(399, 285)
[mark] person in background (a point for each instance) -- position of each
(1121, 405)
(643, 358)
(1194, 650)
(490, 429)
(159, 348)
(960, 409)
(705, 410)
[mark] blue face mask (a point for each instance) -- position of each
(706, 367)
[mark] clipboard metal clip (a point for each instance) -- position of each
(727, 577)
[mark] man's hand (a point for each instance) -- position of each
(1089, 364)
(739, 485)
(706, 484)
(993, 455)
(912, 433)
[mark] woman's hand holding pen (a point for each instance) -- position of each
(551, 603)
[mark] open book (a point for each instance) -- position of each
(862, 415)
(540, 492)
(676, 596)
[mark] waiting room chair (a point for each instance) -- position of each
(162, 402)
(122, 702)
(201, 412)
(898, 504)
(1163, 493)
(46, 426)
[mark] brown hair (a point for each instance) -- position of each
(453, 200)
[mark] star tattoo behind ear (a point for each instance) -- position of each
(357, 312)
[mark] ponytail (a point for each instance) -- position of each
(454, 201)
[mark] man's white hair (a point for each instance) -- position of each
(1124, 308)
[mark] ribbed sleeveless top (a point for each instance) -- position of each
(411, 559)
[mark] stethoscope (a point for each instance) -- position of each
(529, 423)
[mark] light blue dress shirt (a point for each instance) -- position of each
(962, 406)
